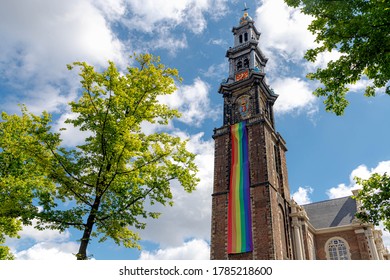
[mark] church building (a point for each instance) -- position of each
(253, 214)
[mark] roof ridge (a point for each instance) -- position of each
(322, 201)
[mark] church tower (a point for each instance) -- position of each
(251, 198)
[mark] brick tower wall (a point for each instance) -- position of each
(220, 196)
(266, 201)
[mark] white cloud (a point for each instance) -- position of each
(150, 15)
(322, 60)
(164, 24)
(361, 171)
(192, 101)
(41, 97)
(219, 42)
(285, 44)
(42, 244)
(149, 128)
(49, 251)
(30, 232)
(40, 37)
(112, 9)
(217, 71)
(72, 136)
(301, 196)
(361, 85)
(190, 215)
(340, 191)
(165, 40)
(295, 96)
(195, 249)
(284, 29)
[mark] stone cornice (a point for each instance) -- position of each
(235, 29)
(336, 229)
(220, 193)
(255, 78)
(221, 131)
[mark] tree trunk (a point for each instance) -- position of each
(82, 254)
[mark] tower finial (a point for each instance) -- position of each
(246, 8)
(245, 18)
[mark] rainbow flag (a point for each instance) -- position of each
(239, 212)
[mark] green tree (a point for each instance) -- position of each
(375, 200)
(20, 179)
(107, 180)
(8, 227)
(360, 31)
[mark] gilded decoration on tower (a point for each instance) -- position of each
(245, 18)
(243, 104)
(242, 75)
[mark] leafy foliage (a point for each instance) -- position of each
(360, 31)
(5, 253)
(106, 180)
(375, 199)
(9, 227)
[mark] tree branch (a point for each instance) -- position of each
(77, 195)
(64, 167)
(145, 164)
(61, 222)
(90, 98)
(127, 206)
(130, 171)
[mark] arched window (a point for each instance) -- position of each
(246, 63)
(239, 65)
(240, 38)
(245, 36)
(337, 249)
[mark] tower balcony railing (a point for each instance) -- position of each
(243, 46)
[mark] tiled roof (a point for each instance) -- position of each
(331, 213)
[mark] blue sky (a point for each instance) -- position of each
(325, 152)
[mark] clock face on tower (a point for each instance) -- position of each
(243, 106)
